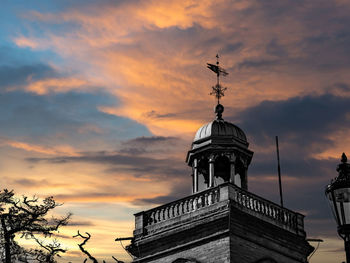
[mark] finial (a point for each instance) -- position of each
(217, 90)
(219, 109)
(344, 159)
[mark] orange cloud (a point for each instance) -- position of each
(55, 84)
(25, 42)
(125, 48)
(57, 150)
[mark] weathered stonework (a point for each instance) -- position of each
(221, 224)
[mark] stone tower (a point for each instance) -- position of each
(221, 222)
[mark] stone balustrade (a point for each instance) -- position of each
(239, 198)
(182, 206)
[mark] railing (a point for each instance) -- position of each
(241, 199)
(182, 206)
(267, 210)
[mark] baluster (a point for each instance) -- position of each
(181, 208)
(151, 218)
(190, 205)
(250, 203)
(161, 214)
(217, 195)
(206, 199)
(201, 201)
(195, 203)
(156, 216)
(278, 214)
(271, 211)
(263, 207)
(267, 207)
(239, 198)
(172, 211)
(167, 212)
(282, 216)
(176, 209)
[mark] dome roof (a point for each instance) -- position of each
(220, 128)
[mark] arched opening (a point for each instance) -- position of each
(240, 173)
(203, 174)
(221, 170)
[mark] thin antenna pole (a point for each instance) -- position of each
(217, 74)
(279, 171)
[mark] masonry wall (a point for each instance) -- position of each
(215, 251)
(252, 239)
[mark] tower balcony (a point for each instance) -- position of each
(215, 200)
(236, 225)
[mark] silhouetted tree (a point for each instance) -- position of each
(27, 217)
(81, 246)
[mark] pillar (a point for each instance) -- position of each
(232, 169)
(195, 176)
(211, 171)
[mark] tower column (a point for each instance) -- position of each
(211, 171)
(232, 169)
(195, 175)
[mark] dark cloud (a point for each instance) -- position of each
(12, 76)
(154, 114)
(230, 48)
(80, 223)
(30, 182)
(42, 118)
(276, 49)
(151, 140)
(36, 183)
(151, 145)
(300, 121)
(304, 125)
(115, 162)
(303, 166)
(340, 88)
(257, 63)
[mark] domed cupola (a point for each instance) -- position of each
(219, 151)
(219, 131)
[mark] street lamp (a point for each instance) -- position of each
(338, 194)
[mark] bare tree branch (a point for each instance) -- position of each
(81, 246)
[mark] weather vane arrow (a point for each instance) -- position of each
(218, 90)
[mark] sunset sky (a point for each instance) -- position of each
(100, 101)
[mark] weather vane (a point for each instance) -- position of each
(218, 90)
